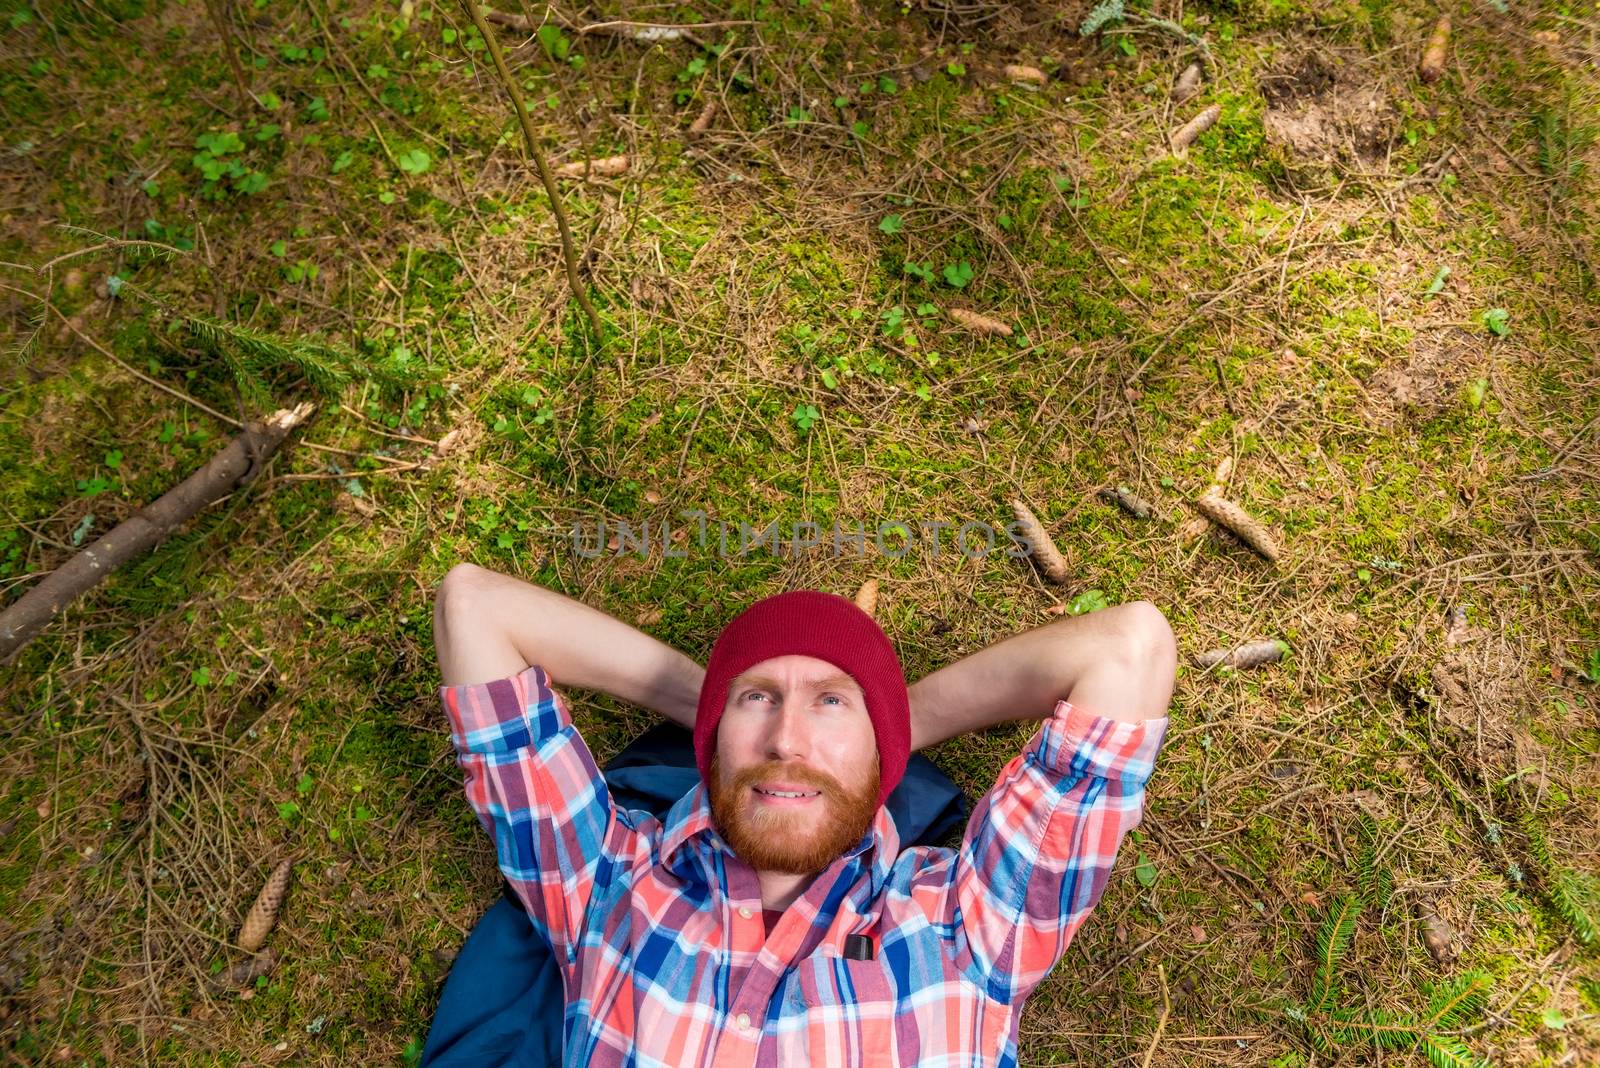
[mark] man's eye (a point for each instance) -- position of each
(833, 697)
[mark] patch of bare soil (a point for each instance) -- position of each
(1325, 114)
(1424, 384)
(1481, 685)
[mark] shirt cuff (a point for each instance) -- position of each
(1076, 742)
(505, 715)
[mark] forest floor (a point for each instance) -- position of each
(1371, 299)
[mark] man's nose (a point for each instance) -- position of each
(788, 737)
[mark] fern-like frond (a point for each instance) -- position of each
(1460, 1000)
(1102, 14)
(1573, 894)
(1445, 1052)
(1376, 1027)
(251, 354)
(1333, 942)
(1576, 896)
(1374, 880)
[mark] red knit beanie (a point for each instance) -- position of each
(828, 627)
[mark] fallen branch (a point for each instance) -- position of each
(513, 90)
(1040, 546)
(225, 472)
(1235, 520)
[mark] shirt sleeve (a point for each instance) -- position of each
(1040, 846)
(537, 791)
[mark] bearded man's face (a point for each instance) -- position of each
(794, 779)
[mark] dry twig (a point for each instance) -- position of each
(1161, 1025)
(220, 18)
(568, 250)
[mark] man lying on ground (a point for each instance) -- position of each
(772, 916)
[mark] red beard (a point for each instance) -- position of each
(793, 841)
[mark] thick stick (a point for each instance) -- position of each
(150, 526)
(568, 252)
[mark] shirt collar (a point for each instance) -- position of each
(688, 832)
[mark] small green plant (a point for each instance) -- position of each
(687, 77)
(558, 46)
(1591, 668)
(894, 322)
(1497, 321)
(219, 161)
(1440, 276)
(414, 161)
(958, 274)
(891, 224)
(923, 271)
(1087, 601)
(805, 417)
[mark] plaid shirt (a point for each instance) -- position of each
(657, 927)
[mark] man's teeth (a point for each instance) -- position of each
(784, 793)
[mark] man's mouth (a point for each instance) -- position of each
(777, 794)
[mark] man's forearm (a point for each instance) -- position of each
(488, 626)
(1119, 663)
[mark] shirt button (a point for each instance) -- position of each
(743, 1021)
(744, 911)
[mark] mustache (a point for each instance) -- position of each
(798, 774)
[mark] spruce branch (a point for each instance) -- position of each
(1333, 942)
